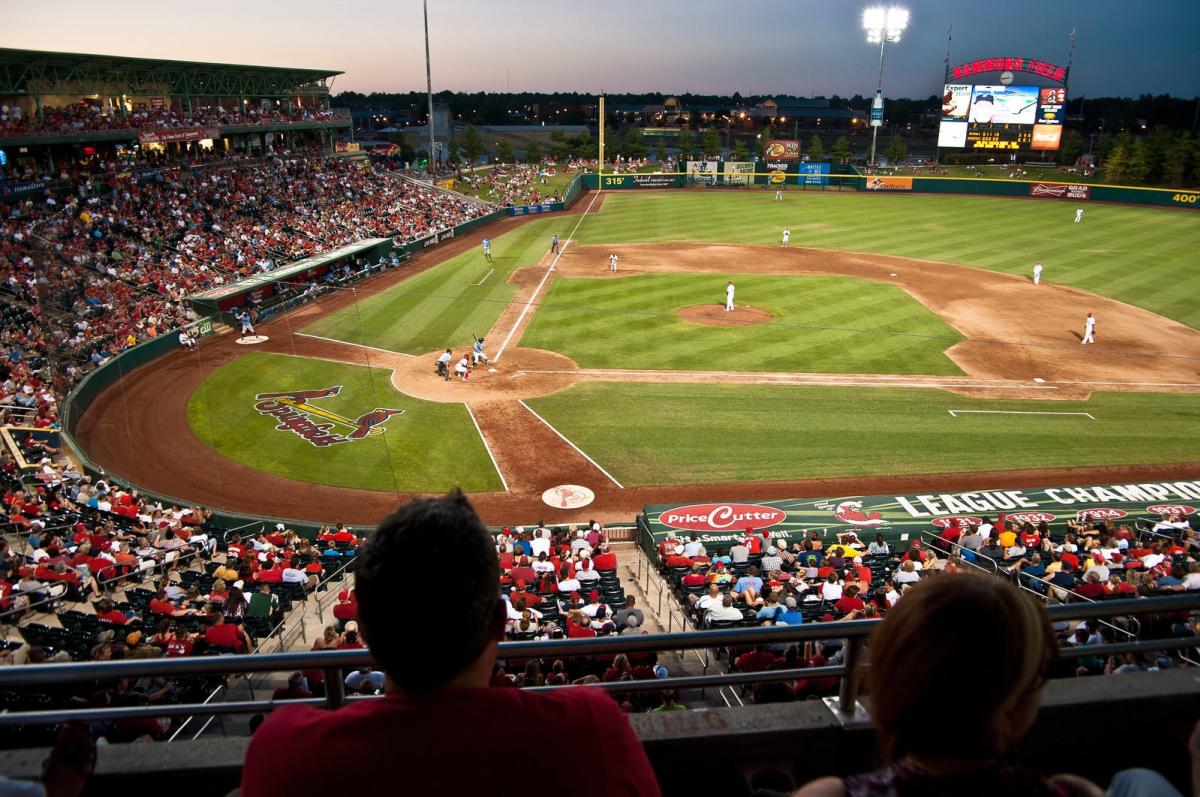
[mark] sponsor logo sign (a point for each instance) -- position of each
(721, 517)
(777, 171)
(15, 188)
(530, 210)
(293, 411)
(852, 512)
(877, 183)
(568, 496)
(1030, 517)
(653, 180)
(943, 522)
(437, 238)
(780, 150)
(182, 134)
(1060, 191)
(1171, 509)
(1100, 513)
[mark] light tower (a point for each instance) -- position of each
(883, 24)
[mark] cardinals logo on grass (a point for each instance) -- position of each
(852, 512)
(294, 412)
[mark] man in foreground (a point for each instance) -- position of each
(437, 702)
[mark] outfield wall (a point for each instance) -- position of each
(902, 184)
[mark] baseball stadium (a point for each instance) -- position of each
(749, 438)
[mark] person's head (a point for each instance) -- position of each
(437, 529)
(933, 636)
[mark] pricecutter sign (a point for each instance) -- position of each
(901, 516)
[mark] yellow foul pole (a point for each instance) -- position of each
(600, 160)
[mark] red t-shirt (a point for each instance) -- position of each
(112, 616)
(272, 576)
(605, 561)
(847, 605)
(224, 635)
(161, 607)
(346, 611)
(424, 737)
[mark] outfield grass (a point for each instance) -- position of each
(430, 448)
(1144, 256)
(445, 305)
(824, 324)
(648, 434)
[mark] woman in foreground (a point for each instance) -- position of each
(946, 630)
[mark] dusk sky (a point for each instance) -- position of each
(802, 47)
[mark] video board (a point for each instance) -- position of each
(986, 117)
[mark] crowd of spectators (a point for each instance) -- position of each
(111, 264)
(87, 116)
(92, 571)
(760, 580)
(510, 184)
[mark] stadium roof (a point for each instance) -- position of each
(195, 78)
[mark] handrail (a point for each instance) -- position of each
(332, 662)
(67, 672)
(995, 567)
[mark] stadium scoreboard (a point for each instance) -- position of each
(1001, 117)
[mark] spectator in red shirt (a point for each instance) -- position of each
(107, 613)
(849, 602)
(226, 636)
(346, 608)
(605, 560)
(418, 725)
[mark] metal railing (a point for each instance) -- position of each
(332, 663)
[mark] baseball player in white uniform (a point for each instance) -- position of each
(1037, 273)
(728, 296)
(612, 262)
(1089, 329)
(787, 233)
(779, 194)
(1078, 215)
(463, 368)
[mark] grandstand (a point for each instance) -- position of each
(150, 211)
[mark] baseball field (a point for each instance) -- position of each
(894, 337)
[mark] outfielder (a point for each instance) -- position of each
(1037, 273)
(612, 262)
(1078, 215)
(487, 249)
(729, 296)
(1089, 329)
(787, 234)
(779, 194)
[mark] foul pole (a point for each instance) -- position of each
(428, 84)
(600, 160)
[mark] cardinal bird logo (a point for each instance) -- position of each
(293, 411)
(852, 512)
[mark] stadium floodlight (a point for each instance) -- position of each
(883, 24)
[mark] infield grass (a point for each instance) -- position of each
(1144, 256)
(819, 324)
(646, 434)
(432, 447)
(450, 302)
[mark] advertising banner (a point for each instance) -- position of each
(14, 188)
(780, 150)
(777, 172)
(814, 174)
(1060, 191)
(653, 180)
(878, 183)
(182, 134)
(901, 516)
(1046, 137)
(738, 172)
(703, 172)
(530, 210)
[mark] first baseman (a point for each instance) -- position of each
(729, 296)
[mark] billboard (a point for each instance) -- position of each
(813, 174)
(1060, 191)
(739, 172)
(703, 172)
(777, 172)
(889, 183)
(987, 116)
(779, 150)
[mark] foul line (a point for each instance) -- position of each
(572, 445)
(956, 413)
(359, 345)
(486, 447)
(538, 289)
(483, 279)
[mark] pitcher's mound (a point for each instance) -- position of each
(715, 315)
